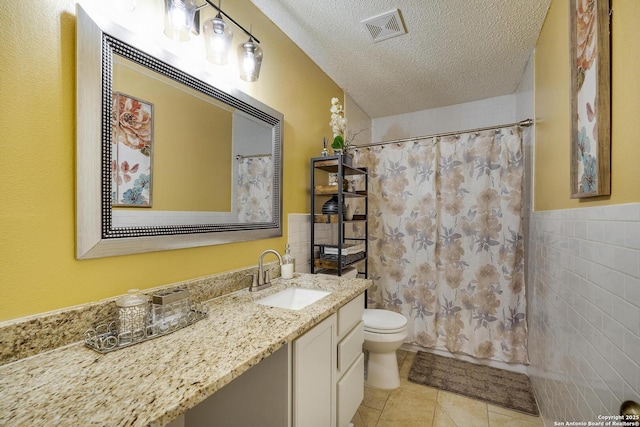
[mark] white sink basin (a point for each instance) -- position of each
(293, 298)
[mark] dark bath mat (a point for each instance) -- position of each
(510, 390)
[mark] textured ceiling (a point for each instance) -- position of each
(454, 51)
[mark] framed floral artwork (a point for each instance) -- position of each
(131, 151)
(590, 98)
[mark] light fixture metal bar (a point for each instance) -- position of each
(232, 20)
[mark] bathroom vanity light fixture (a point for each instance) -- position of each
(217, 38)
(178, 18)
(183, 17)
(249, 60)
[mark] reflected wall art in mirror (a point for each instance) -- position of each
(164, 159)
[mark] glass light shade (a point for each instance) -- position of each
(217, 37)
(249, 60)
(178, 18)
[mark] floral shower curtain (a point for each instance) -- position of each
(446, 241)
(255, 179)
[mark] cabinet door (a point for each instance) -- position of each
(313, 376)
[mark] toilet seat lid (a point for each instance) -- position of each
(383, 320)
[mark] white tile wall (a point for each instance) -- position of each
(584, 311)
(299, 237)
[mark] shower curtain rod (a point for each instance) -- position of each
(249, 156)
(524, 123)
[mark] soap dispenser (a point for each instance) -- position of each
(288, 264)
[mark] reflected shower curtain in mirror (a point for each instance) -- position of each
(254, 193)
(446, 241)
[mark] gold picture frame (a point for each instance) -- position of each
(590, 98)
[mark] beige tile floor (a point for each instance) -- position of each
(421, 406)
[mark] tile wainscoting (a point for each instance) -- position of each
(299, 237)
(584, 310)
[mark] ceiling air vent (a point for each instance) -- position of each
(385, 26)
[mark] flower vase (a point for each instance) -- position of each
(330, 207)
(347, 158)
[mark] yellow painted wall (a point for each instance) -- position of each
(552, 133)
(192, 143)
(38, 271)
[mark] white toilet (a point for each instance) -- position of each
(384, 333)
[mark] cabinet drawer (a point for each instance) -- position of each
(350, 347)
(349, 315)
(350, 392)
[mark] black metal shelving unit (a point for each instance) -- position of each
(320, 193)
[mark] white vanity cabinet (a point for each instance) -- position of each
(316, 381)
(328, 369)
(314, 364)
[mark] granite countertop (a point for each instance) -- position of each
(153, 382)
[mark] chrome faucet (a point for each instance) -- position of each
(263, 279)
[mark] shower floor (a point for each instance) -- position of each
(417, 405)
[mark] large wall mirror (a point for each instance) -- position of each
(166, 160)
